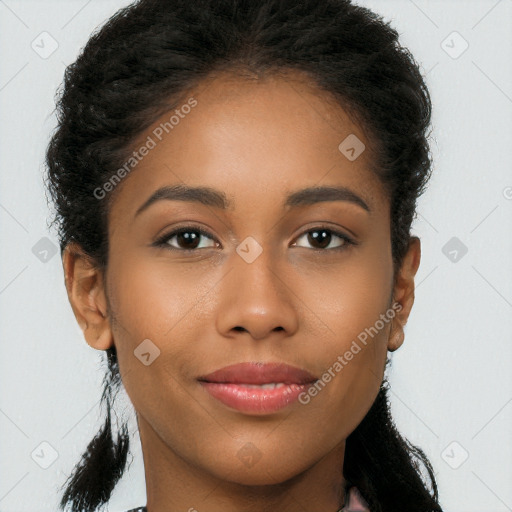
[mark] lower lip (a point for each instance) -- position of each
(255, 400)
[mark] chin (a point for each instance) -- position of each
(254, 471)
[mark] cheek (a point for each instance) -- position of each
(155, 297)
(163, 303)
(350, 319)
(353, 352)
(345, 298)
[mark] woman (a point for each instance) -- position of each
(235, 182)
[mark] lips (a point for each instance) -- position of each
(259, 374)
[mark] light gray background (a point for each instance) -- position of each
(451, 381)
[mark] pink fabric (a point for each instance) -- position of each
(355, 502)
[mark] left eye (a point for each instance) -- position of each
(190, 235)
(324, 236)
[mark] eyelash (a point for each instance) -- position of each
(164, 239)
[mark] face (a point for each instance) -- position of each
(259, 280)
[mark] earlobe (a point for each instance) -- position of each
(396, 337)
(86, 293)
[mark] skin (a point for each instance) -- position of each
(298, 302)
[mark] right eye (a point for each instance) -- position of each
(186, 236)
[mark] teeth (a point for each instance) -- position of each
(271, 385)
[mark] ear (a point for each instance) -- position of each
(86, 293)
(404, 293)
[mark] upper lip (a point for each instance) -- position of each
(260, 373)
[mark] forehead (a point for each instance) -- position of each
(250, 138)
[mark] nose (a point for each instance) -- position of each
(256, 298)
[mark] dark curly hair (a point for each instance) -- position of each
(140, 63)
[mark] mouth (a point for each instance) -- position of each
(256, 388)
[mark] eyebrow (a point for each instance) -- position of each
(218, 199)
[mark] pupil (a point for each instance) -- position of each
(324, 234)
(184, 236)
